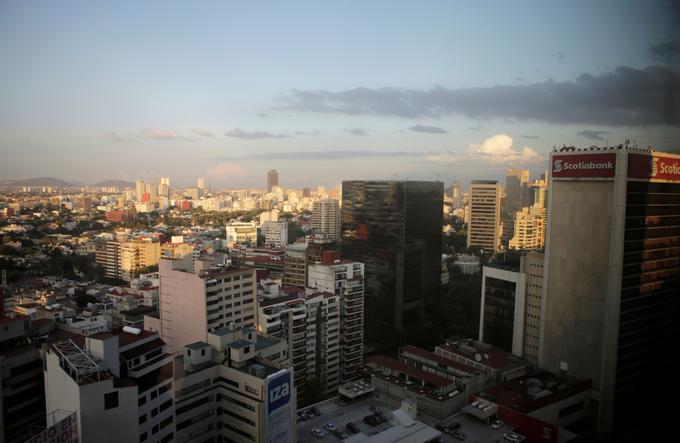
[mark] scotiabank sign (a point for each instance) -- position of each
(584, 165)
(654, 167)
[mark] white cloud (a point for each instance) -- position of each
(224, 170)
(499, 149)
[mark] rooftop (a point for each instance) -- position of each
(439, 359)
(483, 354)
(392, 364)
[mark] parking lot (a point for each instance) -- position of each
(332, 412)
(475, 431)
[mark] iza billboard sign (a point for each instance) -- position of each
(280, 404)
(584, 166)
(654, 167)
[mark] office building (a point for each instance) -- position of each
(233, 387)
(483, 229)
(200, 184)
(199, 296)
(326, 219)
(241, 233)
(511, 303)
(119, 385)
(529, 232)
(395, 229)
(612, 276)
(140, 189)
(295, 265)
(456, 196)
(275, 234)
(516, 189)
(272, 179)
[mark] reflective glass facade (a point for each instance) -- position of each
(394, 227)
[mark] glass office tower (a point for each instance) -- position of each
(394, 228)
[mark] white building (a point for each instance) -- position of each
(326, 218)
(119, 384)
(233, 388)
(275, 234)
(345, 279)
(484, 226)
(241, 233)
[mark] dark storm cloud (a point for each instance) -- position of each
(624, 97)
(593, 135)
(666, 50)
(427, 129)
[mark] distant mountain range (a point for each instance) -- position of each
(58, 183)
(41, 181)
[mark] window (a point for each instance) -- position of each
(202, 352)
(154, 412)
(142, 419)
(154, 394)
(144, 436)
(111, 400)
(141, 400)
(155, 429)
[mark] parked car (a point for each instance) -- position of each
(460, 435)
(316, 432)
(314, 410)
(440, 427)
(453, 426)
(354, 429)
(497, 424)
(511, 436)
(371, 420)
(340, 433)
(375, 409)
(381, 416)
(329, 426)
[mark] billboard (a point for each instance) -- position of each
(280, 407)
(583, 166)
(64, 431)
(654, 167)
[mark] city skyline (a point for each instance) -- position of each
(402, 101)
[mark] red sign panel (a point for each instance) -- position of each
(650, 167)
(584, 165)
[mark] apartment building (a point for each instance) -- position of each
(202, 296)
(233, 387)
(124, 259)
(529, 231)
(119, 384)
(295, 265)
(241, 233)
(275, 234)
(484, 226)
(345, 279)
(326, 218)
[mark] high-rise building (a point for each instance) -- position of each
(295, 265)
(193, 193)
(200, 184)
(306, 192)
(529, 232)
(516, 189)
(119, 385)
(326, 219)
(511, 303)
(345, 279)
(394, 228)
(272, 179)
(233, 388)
(199, 296)
(484, 226)
(137, 254)
(456, 196)
(140, 189)
(612, 276)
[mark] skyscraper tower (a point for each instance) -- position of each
(326, 218)
(612, 278)
(272, 179)
(394, 227)
(200, 183)
(484, 226)
(140, 189)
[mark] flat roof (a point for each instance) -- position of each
(198, 345)
(490, 356)
(439, 359)
(396, 365)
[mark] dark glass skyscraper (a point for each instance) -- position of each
(394, 227)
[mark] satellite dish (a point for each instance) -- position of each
(478, 357)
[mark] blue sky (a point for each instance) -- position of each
(325, 91)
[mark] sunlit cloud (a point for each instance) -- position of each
(244, 135)
(202, 132)
(225, 170)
